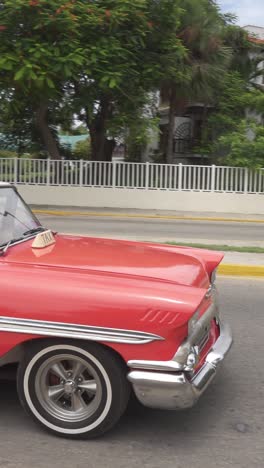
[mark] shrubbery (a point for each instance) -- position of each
(4, 154)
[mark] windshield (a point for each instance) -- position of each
(15, 216)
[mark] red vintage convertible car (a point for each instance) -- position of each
(88, 321)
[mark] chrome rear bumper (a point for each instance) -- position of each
(179, 390)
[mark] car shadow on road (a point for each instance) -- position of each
(138, 422)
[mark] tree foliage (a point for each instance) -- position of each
(235, 120)
(82, 150)
(244, 146)
(98, 58)
(206, 57)
(101, 62)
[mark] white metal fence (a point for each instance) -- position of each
(148, 176)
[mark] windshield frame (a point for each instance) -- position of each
(27, 208)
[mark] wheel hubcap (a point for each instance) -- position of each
(68, 388)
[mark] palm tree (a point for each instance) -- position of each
(206, 58)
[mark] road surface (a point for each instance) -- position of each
(240, 234)
(224, 430)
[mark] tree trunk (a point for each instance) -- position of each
(171, 126)
(97, 143)
(109, 148)
(102, 148)
(163, 141)
(45, 133)
(20, 146)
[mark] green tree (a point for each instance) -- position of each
(231, 98)
(69, 129)
(247, 56)
(82, 150)
(96, 59)
(244, 146)
(136, 47)
(38, 52)
(237, 105)
(17, 126)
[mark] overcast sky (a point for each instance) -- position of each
(248, 11)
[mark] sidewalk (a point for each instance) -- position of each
(243, 258)
(242, 264)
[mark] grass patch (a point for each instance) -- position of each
(222, 248)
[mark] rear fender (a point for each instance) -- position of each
(211, 259)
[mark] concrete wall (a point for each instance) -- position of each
(143, 199)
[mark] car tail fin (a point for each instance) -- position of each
(211, 259)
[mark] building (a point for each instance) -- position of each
(256, 33)
(256, 36)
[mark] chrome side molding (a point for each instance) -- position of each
(83, 332)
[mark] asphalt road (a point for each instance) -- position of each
(247, 234)
(225, 429)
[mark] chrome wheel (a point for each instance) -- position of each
(68, 388)
(72, 390)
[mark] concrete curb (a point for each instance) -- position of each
(145, 216)
(241, 270)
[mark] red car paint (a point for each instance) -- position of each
(107, 283)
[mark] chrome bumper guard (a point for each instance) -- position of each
(180, 389)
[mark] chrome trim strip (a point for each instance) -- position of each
(66, 330)
(159, 366)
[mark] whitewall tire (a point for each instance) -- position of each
(73, 389)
